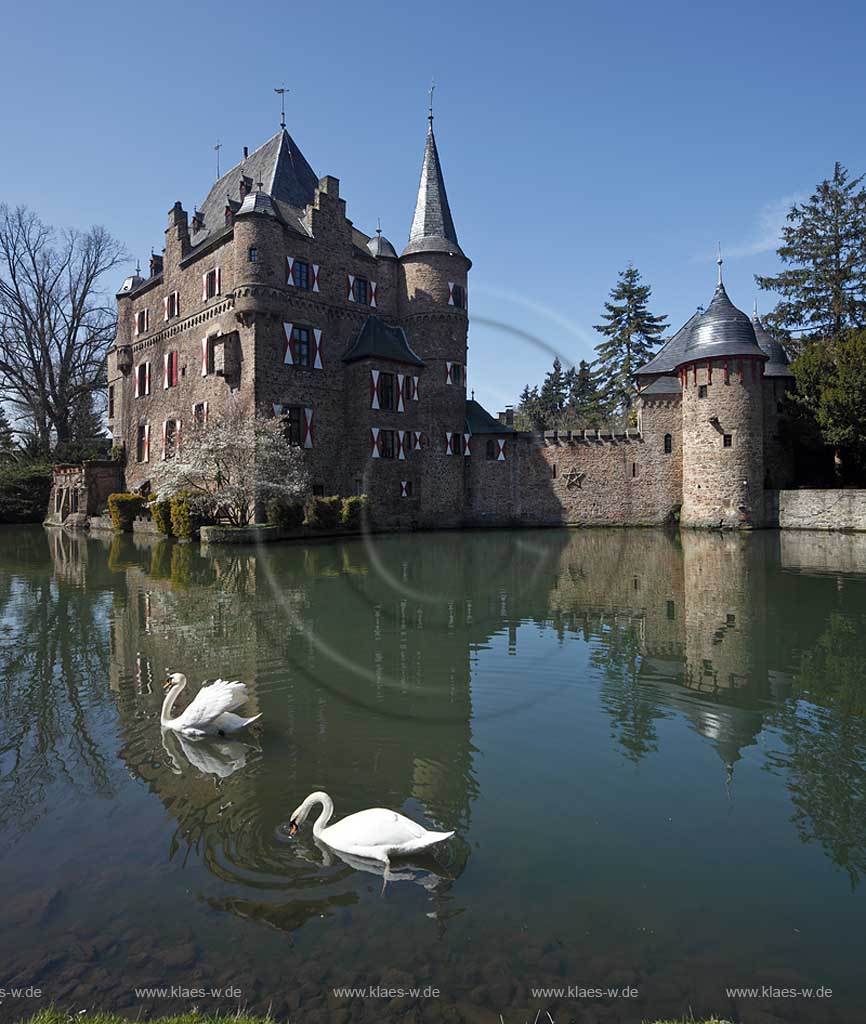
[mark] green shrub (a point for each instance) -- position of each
(187, 516)
(124, 508)
(354, 511)
(24, 492)
(160, 512)
(288, 515)
(324, 513)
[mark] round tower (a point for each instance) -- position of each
(432, 275)
(721, 370)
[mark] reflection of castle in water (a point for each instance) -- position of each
(361, 656)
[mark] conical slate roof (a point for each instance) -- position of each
(778, 364)
(723, 330)
(283, 172)
(432, 226)
(668, 358)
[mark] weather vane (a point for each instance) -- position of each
(282, 94)
(217, 149)
(430, 92)
(719, 261)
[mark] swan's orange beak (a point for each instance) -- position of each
(293, 827)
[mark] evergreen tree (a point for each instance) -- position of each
(529, 410)
(824, 246)
(584, 400)
(631, 335)
(7, 437)
(554, 393)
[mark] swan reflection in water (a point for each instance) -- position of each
(423, 870)
(219, 757)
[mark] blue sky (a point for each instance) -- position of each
(574, 139)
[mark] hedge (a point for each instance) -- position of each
(160, 512)
(24, 492)
(123, 509)
(187, 517)
(324, 513)
(285, 514)
(354, 511)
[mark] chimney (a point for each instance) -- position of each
(246, 152)
(155, 264)
(509, 415)
(177, 235)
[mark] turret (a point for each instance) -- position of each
(721, 371)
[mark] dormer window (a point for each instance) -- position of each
(197, 220)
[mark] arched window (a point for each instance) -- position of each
(669, 444)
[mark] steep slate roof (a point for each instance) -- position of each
(669, 356)
(432, 226)
(663, 386)
(723, 330)
(378, 339)
(381, 248)
(779, 364)
(479, 420)
(285, 176)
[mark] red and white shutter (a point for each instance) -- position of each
(278, 409)
(204, 287)
(400, 378)
(401, 444)
(205, 413)
(147, 319)
(373, 294)
(308, 428)
(137, 378)
(164, 437)
(449, 369)
(374, 442)
(374, 389)
(177, 435)
(417, 437)
(450, 293)
(204, 357)
(288, 355)
(290, 270)
(147, 442)
(500, 451)
(147, 378)
(449, 450)
(350, 287)
(165, 307)
(317, 349)
(165, 371)
(415, 389)
(467, 440)
(219, 280)
(404, 488)
(315, 277)
(174, 362)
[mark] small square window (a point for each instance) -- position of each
(671, 611)
(702, 390)
(669, 444)
(212, 284)
(172, 305)
(727, 440)
(386, 444)
(634, 469)
(141, 321)
(141, 444)
(386, 390)
(199, 414)
(301, 351)
(253, 254)
(358, 487)
(293, 420)
(456, 374)
(458, 296)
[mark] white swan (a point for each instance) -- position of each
(375, 834)
(210, 712)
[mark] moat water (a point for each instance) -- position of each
(652, 749)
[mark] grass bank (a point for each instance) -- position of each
(53, 1016)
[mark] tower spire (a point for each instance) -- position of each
(432, 226)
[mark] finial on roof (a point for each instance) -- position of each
(138, 268)
(260, 186)
(282, 94)
(379, 226)
(700, 310)
(755, 310)
(473, 394)
(719, 262)
(217, 149)
(430, 92)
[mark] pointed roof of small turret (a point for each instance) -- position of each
(432, 226)
(779, 364)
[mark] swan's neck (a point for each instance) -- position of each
(326, 813)
(168, 703)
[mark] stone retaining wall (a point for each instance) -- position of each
(817, 510)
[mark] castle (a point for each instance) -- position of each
(271, 302)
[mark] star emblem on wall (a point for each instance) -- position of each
(574, 478)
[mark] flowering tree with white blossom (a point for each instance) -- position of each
(232, 465)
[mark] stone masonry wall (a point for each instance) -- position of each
(817, 510)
